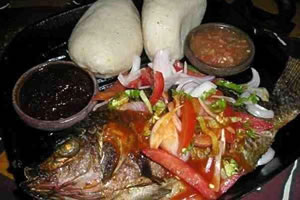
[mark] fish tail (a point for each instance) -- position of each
(286, 94)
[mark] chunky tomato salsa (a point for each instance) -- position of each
(220, 46)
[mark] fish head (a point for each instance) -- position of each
(79, 163)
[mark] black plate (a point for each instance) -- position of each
(48, 40)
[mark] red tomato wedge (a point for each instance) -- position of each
(182, 170)
(188, 124)
(228, 112)
(110, 92)
(146, 79)
(158, 87)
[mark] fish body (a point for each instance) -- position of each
(103, 159)
(100, 162)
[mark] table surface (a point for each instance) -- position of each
(283, 186)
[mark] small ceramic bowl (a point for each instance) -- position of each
(54, 95)
(219, 49)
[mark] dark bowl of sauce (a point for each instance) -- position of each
(54, 95)
(219, 49)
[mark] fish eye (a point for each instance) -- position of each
(69, 149)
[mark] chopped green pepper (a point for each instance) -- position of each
(231, 86)
(231, 167)
(218, 106)
(133, 94)
(118, 101)
(208, 93)
(242, 100)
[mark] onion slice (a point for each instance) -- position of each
(134, 73)
(204, 87)
(259, 111)
(137, 106)
(261, 92)
(267, 157)
(255, 81)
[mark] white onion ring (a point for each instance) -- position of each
(206, 109)
(204, 87)
(267, 157)
(137, 106)
(163, 64)
(134, 73)
(208, 164)
(261, 92)
(187, 85)
(259, 111)
(185, 67)
(255, 81)
(229, 99)
(185, 156)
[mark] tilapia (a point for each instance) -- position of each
(102, 158)
(100, 162)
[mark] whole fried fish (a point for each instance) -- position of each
(101, 162)
(104, 162)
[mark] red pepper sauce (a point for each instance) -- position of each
(220, 47)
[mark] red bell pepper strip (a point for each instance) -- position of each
(182, 170)
(158, 87)
(110, 92)
(188, 124)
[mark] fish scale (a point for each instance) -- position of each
(286, 94)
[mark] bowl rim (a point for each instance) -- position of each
(58, 124)
(213, 70)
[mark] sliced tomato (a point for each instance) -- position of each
(219, 93)
(158, 87)
(178, 65)
(188, 124)
(228, 112)
(146, 76)
(256, 123)
(110, 92)
(230, 137)
(146, 79)
(182, 170)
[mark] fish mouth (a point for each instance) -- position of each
(36, 194)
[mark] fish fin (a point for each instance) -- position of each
(286, 94)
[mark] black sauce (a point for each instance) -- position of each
(56, 91)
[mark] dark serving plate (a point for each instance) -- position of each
(48, 39)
